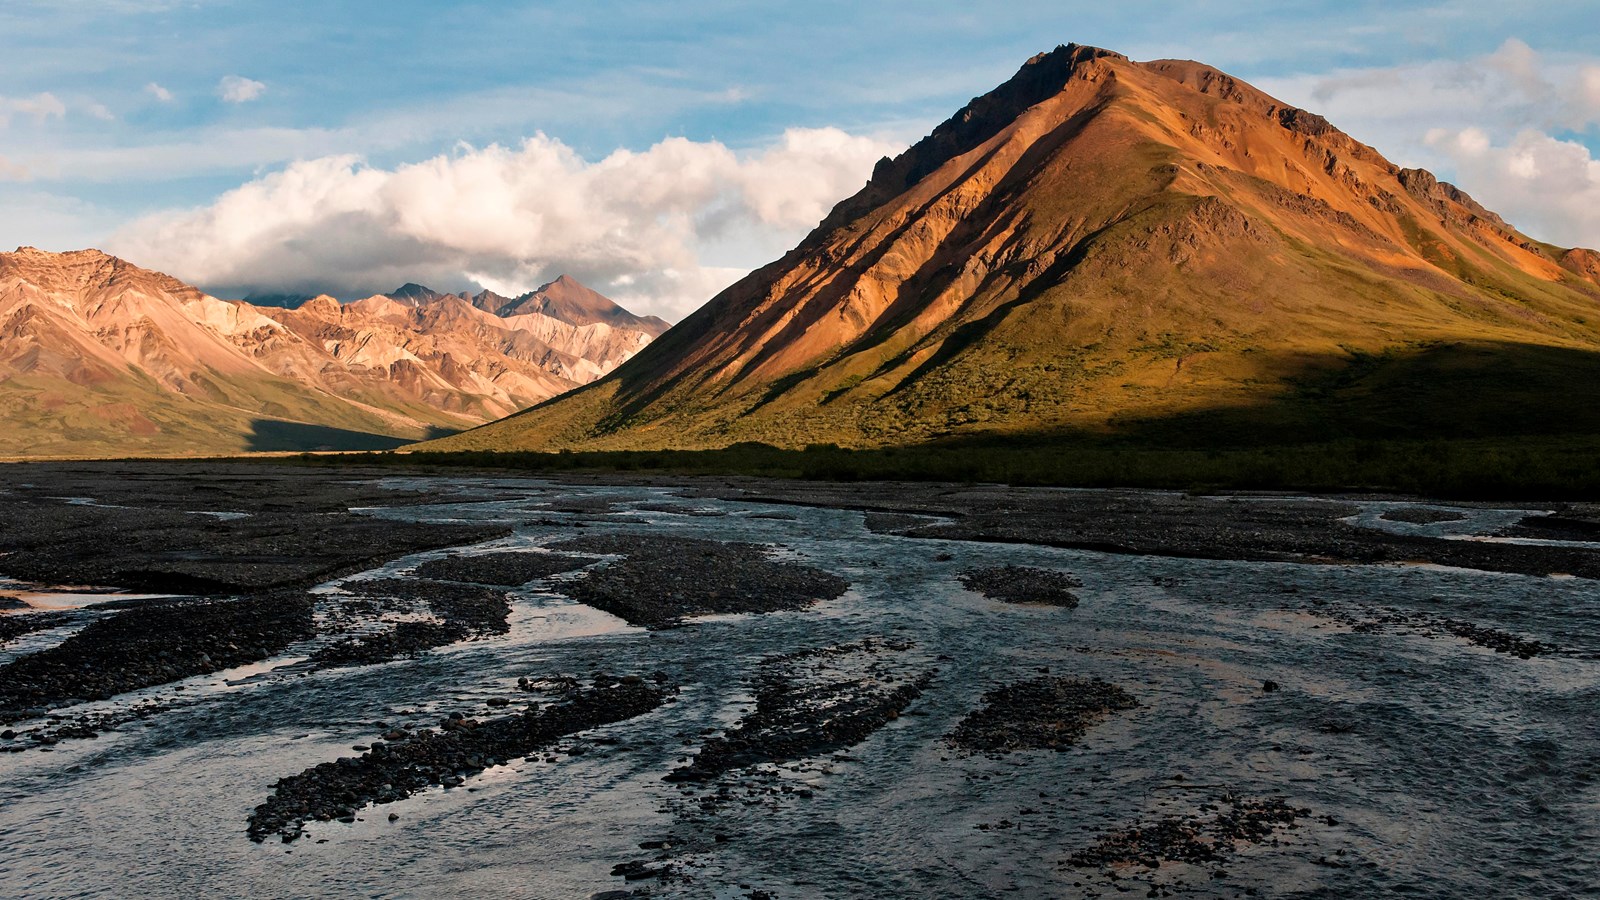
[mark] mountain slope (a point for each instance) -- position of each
(98, 357)
(1099, 245)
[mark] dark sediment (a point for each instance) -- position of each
(1022, 584)
(462, 747)
(664, 580)
(1040, 714)
(462, 611)
(140, 648)
(1556, 528)
(1421, 515)
(678, 509)
(508, 569)
(480, 609)
(18, 624)
(894, 522)
(1260, 528)
(1382, 620)
(811, 703)
(294, 529)
(1209, 837)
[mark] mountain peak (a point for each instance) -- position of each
(570, 301)
(75, 271)
(1043, 76)
(1093, 241)
(413, 294)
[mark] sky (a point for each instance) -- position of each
(659, 151)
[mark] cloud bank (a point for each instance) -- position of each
(660, 230)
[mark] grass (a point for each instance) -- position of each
(1530, 468)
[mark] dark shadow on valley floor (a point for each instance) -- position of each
(277, 436)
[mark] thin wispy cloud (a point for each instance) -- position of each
(39, 107)
(238, 89)
(158, 92)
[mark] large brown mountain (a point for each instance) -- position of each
(98, 356)
(1102, 245)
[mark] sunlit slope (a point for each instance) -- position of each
(1101, 245)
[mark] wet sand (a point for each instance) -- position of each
(812, 690)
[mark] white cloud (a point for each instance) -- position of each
(158, 92)
(39, 107)
(1547, 186)
(99, 111)
(641, 225)
(1489, 124)
(238, 89)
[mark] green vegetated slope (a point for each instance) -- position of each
(1150, 254)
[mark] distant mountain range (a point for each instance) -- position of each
(1108, 247)
(99, 356)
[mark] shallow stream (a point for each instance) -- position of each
(1430, 766)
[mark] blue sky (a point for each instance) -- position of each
(165, 127)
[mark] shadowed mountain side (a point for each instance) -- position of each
(1095, 242)
(1423, 392)
(1454, 390)
(276, 436)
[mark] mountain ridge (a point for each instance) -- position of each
(99, 356)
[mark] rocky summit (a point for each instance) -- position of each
(100, 357)
(1105, 246)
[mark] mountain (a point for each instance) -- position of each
(1108, 247)
(99, 356)
(569, 301)
(286, 301)
(565, 300)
